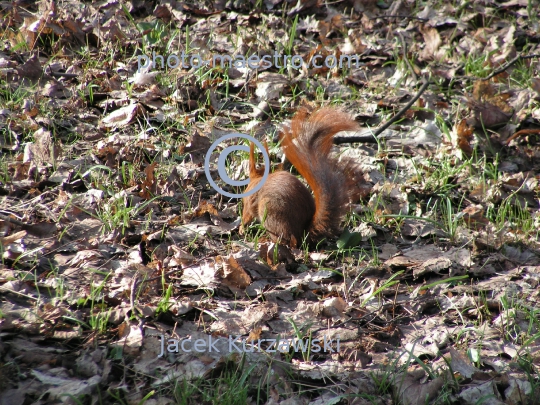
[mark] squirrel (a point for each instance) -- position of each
(284, 205)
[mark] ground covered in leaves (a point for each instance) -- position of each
(125, 278)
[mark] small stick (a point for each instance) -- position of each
(522, 132)
(14, 221)
(365, 137)
(398, 16)
(362, 138)
(134, 309)
(503, 68)
(407, 61)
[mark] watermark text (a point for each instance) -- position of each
(239, 345)
(240, 61)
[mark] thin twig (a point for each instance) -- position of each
(18, 293)
(405, 108)
(362, 138)
(14, 221)
(134, 309)
(399, 16)
(64, 75)
(503, 68)
(407, 61)
(522, 132)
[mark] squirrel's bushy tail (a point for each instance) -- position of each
(307, 143)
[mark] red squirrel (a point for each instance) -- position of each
(284, 204)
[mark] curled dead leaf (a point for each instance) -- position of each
(123, 116)
(234, 274)
(411, 391)
(464, 137)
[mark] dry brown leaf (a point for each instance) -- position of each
(334, 307)
(303, 5)
(205, 207)
(85, 257)
(490, 107)
(234, 274)
(180, 257)
(202, 276)
(411, 391)
(474, 216)
(163, 12)
(464, 137)
(43, 152)
(6, 240)
(271, 86)
(488, 115)
(398, 262)
(20, 170)
(31, 69)
(432, 41)
(486, 393)
(55, 90)
(435, 265)
(535, 85)
(149, 184)
(197, 147)
(123, 116)
(254, 334)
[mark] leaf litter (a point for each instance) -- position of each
(115, 249)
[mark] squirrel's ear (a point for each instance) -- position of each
(265, 144)
(253, 171)
(252, 165)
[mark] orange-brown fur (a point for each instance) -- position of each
(286, 206)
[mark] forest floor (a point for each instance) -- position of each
(125, 278)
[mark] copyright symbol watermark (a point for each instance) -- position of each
(221, 165)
